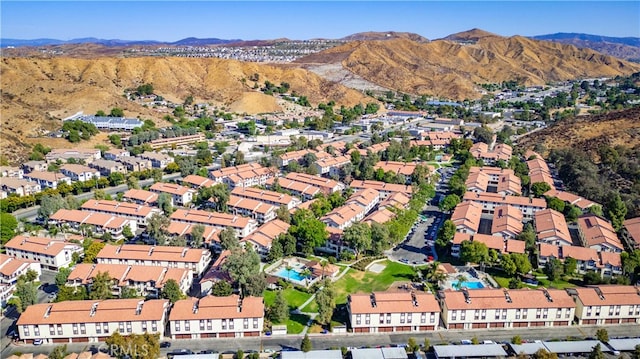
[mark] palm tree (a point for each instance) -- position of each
(288, 268)
(306, 273)
(324, 265)
(461, 279)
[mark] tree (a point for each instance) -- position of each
(132, 182)
(602, 335)
(483, 134)
(164, 203)
(556, 203)
(71, 293)
(92, 251)
(280, 309)
(521, 261)
(27, 293)
(50, 204)
(473, 252)
(516, 340)
(412, 345)
(127, 232)
(116, 112)
(128, 293)
(59, 352)
(446, 233)
(220, 197)
(241, 265)
(256, 285)
(449, 202)
(617, 210)
(157, 226)
(197, 235)
(570, 266)
(228, 238)
(8, 225)
(544, 354)
(636, 352)
(275, 252)
(540, 188)
(172, 291)
(554, 269)
(62, 276)
(326, 300)
(309, 231)
(305, 346)
(596, 353)
(101, 286)
(134, 346)
(283, 214)
(508, 265)
(358, 236)
(221, 288)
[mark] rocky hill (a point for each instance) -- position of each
(388, 35)
(588, 133)
(451, 69)
(37, 93)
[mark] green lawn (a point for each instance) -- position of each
(294, 297)
(557, 284)
(356, 281)
(296, 323)
(312, 307)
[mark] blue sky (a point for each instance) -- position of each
(174, 20)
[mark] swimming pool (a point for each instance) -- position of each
(472, 285)
(292, 274)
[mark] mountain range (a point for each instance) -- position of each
(189, 41)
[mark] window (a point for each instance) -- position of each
(589, 311)
(401, 318)
(631, 307)
(367, 319)
(98, 328)
(83, 329)
(568, 313)
(454, 313)
(201, 324)
(177, 325)
(255, 323)
(525, 313)
(476, 314)
(598, 311)
(144, 326)
(187, 325)
(105, 328)
(209, 324)
(483, 314)
(433, 318)
(545, 313)
(504, 314)
(617, 310)
(409, 317)
(388, 318)
(231, 323)
(52, 329)
(224, 324)
(463, 314)
(558, 313)
(497, 313)
(358, 319)
(36, 330)
(538, 313)
(154, 326)
(381, 318)
(121, 327)
(75, 329)
(518, 313)
(25, 329)
(245, 323)
(423, 317)
(129, 327)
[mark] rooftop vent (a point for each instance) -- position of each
(547, 295)
(414, 300)
(184, 252)
(600, 294)
(372, 297)
(139, 307)
(94, 308)
(195, 307)
(467, 298)
(48, 312)
(507, 297)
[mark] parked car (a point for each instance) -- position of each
(165, 345)
(37, 342)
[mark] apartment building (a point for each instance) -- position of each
(606, 264)
(176, 141)
(217, 317)
(146, 280)
(493, 179)
(180, 195)
(195, 182)
(264, 236)
(607, 305)
(552, 228)
(137, 212)
(209, 236)
(401, 168)
(466, 217)
(97, 223)
(91, 320)
(242, 225)
(302, 190)
(571, 198)
(597, 233)
(331, 165)
(47, 179)
(11, 269)
(247, 175)
(20, 187)
(31, 166)
(631, 232)
(107, 167)
(354, 210)
(65, 154)
(163, 256)
(140, 197)
(489, 202)
(110, 123)
(116, 154)
(270, 197)
(80, 173)
(481, 151)
(9, 171)
(135, 164)
(539, 172)
(327, 186)
(380, 312)
(158, 160)
(395, 200)
(380, 216)
(499, 244)
(385, 189)
(51, 253)
(506, 308)
(296, 156)
(477, 181)
(507, 222)
(260, 211)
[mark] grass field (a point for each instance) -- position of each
(294, 297)
(356, 281)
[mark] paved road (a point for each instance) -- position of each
(320, 341)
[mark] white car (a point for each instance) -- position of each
(37, 342)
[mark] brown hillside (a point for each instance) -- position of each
(470, 35)
(37, 93)
(589, 132)
(387, 35)
(449, 69)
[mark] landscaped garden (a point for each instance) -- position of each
(295, 298)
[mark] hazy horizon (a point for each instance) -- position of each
(169, 21)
